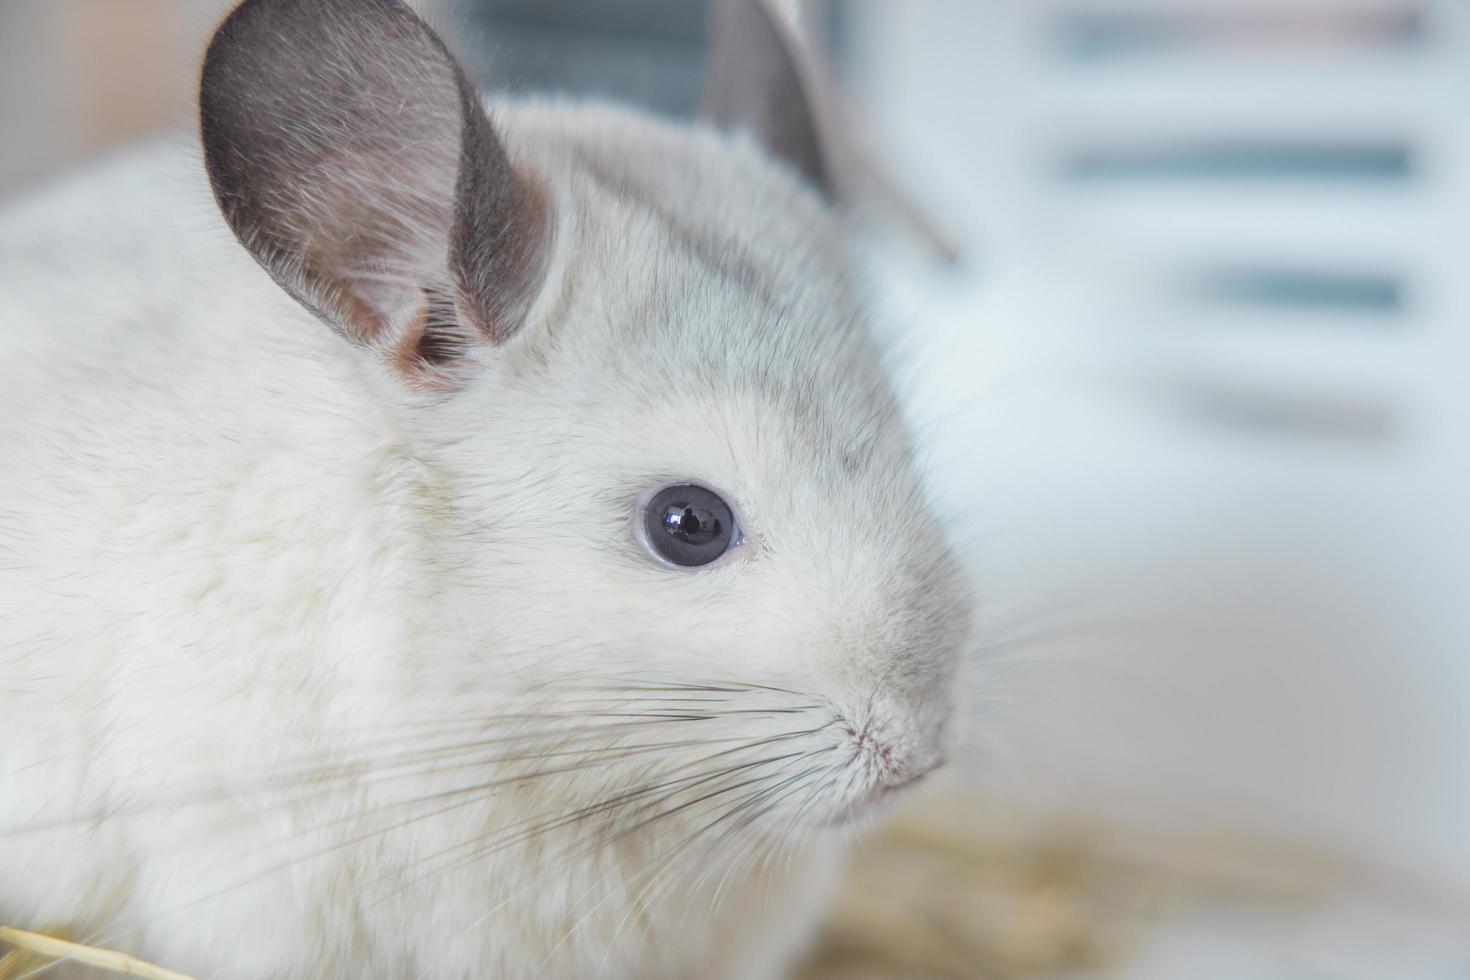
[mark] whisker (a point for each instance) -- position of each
(642, 825)
(485, 849)
(480, 791)
(604, 732)
(322, 777)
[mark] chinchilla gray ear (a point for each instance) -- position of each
(759, 80)
(351, 156)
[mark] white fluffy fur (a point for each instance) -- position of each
(281, 639)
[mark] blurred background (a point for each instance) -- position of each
(1189, 365)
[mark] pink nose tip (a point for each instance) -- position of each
(897, 770)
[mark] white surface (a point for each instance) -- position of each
(1295, 666)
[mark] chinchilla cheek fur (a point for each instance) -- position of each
(452, 539)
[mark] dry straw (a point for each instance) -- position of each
(28, 945)
(957, 887)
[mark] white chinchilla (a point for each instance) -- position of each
(508, 563)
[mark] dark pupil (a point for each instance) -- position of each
(689, 525)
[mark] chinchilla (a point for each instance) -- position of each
(452, 538)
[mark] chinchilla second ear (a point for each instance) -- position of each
(351, 156)
(760, 80)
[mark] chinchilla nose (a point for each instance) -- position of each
(903, 731)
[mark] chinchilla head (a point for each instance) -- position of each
(668, 500)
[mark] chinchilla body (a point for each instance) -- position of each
(336, 636)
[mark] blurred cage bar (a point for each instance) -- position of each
(646, 52)
(649, 53)
(1278, 166)
(1281, 163)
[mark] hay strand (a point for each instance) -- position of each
(59, 949)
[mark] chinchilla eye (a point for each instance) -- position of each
(688, 525)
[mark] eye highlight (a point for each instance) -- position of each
(687, 525)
